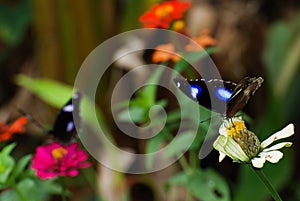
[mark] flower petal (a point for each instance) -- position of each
(258, 162)
(278, 146)
(272, 156)
(221, 156)
(228, 146)
(284, 133)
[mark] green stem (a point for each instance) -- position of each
(194, 160)
(267, 183)
(63, 189)
(19, 193)
(184, 164)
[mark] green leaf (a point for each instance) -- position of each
(6, 166)
(8, 149)
(277, 45)
(14, 19)
(135, 114)
(148, 93)
(174, 116)
(7, 163)
(192, 57)
(32, 189)
(180, 144)
(20, 166)
(153, 145)
(45, 88)
(195, 56)
(205, 185)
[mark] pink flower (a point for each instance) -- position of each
(56, 159)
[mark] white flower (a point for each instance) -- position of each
(272, 154)
(242, 145)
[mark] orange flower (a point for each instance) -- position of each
(164, 53)
(162, 14)
(6, 131)
(204, 40)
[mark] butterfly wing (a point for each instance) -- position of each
(64, 126)
(244, 90)
(204, 92)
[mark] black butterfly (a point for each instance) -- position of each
(64, 127)
(228, 97)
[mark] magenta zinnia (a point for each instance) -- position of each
(56, 159)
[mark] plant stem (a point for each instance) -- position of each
(194, 160)
(63, 189)
(267, 183)
(19, 193)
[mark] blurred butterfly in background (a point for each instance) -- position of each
(228, 97)
(63, 128)
(8, 130)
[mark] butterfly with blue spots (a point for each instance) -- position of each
(228, 97)
(64, 126)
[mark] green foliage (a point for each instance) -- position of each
(249, 184)
(179, 144)
(205, 185)
(7, 164)
(32, 189)
(52, 92)
(192, 57)
(282, 59)
(57, 94)
(18, 182)
(14, 20)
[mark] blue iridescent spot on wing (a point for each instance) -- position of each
(195, 90)
(223, 94)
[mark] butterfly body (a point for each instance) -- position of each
(227, 97)
(64, 127)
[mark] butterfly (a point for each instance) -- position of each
(64, 125)
(7, 130)
(228, 97)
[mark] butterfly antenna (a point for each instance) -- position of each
(35, 122)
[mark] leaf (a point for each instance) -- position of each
(52, 92)
(194, 56)
(7, 163)
(135, 114)
(8, 149)
(206, 185)
(180, 144)
(153, 144)
(32, 189)
(20, 166)
(148, 93)
(174, 116)
(14, 19)
(277, 45)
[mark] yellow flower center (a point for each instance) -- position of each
(58, 153)
(164, 11)
(178, 25)
(235, 128)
